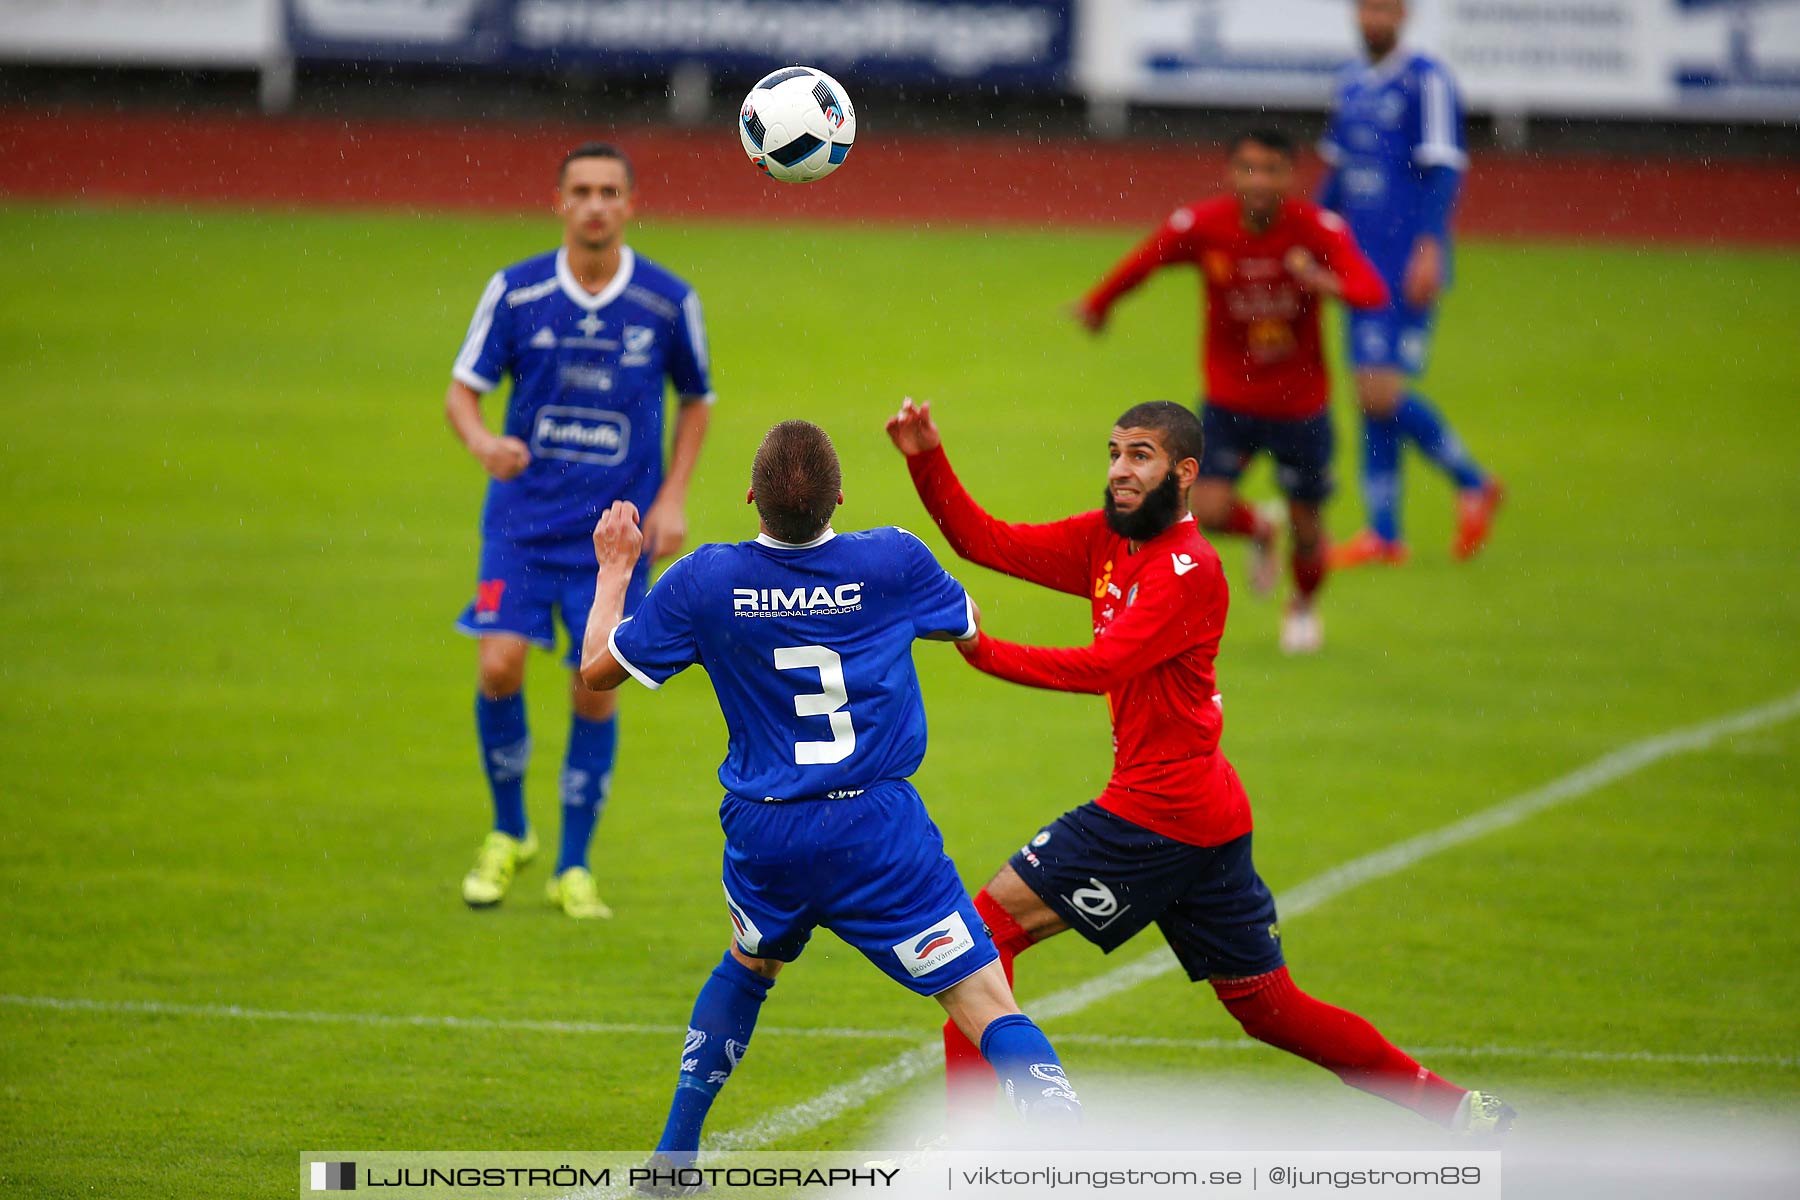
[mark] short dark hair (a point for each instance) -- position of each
(797, 480)
(1268, 138)
(596, 150)
(1180, 429)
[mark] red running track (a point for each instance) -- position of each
(926, 180)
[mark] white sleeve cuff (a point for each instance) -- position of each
(702, 398)
(612, 644)
(969, 608)
(1441, 156)
(465, 376)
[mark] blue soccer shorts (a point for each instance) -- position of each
(871, 868)
(1301, 449)
(1109, 878)
(520, 593)
(1397, 337)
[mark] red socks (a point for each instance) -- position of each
(1309, 572)
(1242, 520)
(1271, 1009)
(967, 1075)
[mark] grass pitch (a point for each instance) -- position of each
(238, 752)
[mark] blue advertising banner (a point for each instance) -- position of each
(1018, 42)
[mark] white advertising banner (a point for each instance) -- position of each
(150, 32)
(1599, 57)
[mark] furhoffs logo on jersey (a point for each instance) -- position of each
(819, 601)
(585, 435)
(941, 942)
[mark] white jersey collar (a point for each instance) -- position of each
(763, 539)
(595, 301)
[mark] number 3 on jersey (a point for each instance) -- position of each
(827, 702)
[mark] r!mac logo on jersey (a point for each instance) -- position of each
(938, 943)
(818, 601)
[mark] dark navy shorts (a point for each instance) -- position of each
(1301, 450)
(520, 594)
(1109, 878)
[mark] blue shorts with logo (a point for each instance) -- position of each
(520, 593)
(1109, 878)
(1397, 337)
(870, 867)
(1301, 449)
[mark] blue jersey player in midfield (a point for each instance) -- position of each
(807, 636)
(588, 334)
(1395, 156)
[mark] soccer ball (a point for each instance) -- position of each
(797, 124)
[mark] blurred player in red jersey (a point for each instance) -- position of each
(1168, 840)
(1265, 258)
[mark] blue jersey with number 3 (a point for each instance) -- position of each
(810, 652)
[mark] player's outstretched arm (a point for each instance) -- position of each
(501, 457)
(1166, 620)
(617, 544)
(1053, 555)
(1170, 243)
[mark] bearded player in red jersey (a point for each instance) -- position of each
(1266, 259)
(1168, 840)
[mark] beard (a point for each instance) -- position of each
(1159, 509)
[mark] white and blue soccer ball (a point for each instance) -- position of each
(797, 124)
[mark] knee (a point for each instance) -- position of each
(591, 705)
(499, 682)
(1254, 1001)
(1378, 397)
(768, 968)
(1210, 502)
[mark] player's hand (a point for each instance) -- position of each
(618, 542)
(503, 457)
(912, 430)
(1089, 319)
(665, 528)
(1424, 273)
(1308, 272)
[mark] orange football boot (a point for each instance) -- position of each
(1475, 511)
(1366, 547)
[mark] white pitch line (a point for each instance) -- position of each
(1304, 898)
(156, 1008)
(239, 1013)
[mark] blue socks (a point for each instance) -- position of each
(718, 1034)
(1421, 423)
(1418, 422)
(1381, 475)
(587, 774)
(505, 751)
(1032, 1074)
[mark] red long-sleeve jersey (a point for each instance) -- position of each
(1158, 615)
(1261, 353)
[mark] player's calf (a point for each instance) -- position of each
(718, 1036)
(1272, 1010)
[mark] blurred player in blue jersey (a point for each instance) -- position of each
(1396, 155)
(588, 333)
(807, 637)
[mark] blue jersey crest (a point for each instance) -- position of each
(809, 649)
(587, 399)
